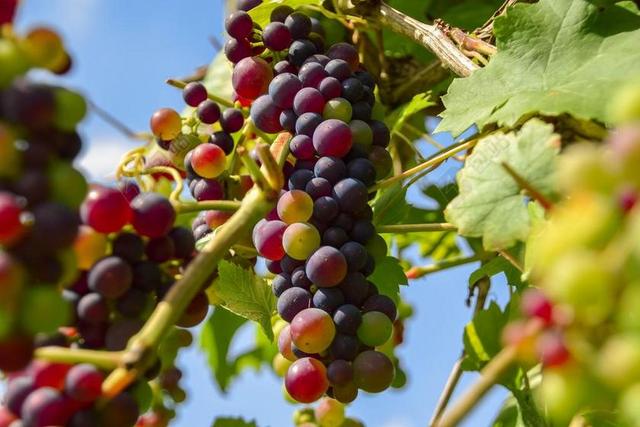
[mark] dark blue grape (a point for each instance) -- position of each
(266, 114)
(318, 187)
(222, 140)
(299, 278)
(352, 89)
(355, 254)
(362, 231)
(292, 301)
(325, 209)
(383, 304)
(328, 299)
(338, 69)
(362, 170)
(300, 50)
(299, 179)
(283, 89)
(347, 318)
(332, 169)
(350, 194)
(355, 288)
(281, 283)
(307, 123)
(298, 24)
(288, 120)
(344, 347)
(334, 236)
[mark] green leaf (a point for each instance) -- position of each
(491, 204)
(388, 276)
(554, 57)
(215, 339)
(496, 266)
(218, 77)
(262, 14)
(390, 206)
(245, 294)
(482, 336)
(400, 115)
(233, 422)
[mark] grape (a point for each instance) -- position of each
(251, 77)
(301, 147)
(208, 189)
(106, 210)
(306, 380)
(208, 112)
(369, 267)
(334, 236)
(344, 221)
(355, 288)
(352, 89)
(153, 215)
(381, 160)
(325, 209)
(330, 88)
(289, 264)
(84, 418)
(239, 25)
(160, 249)
(383, 304)
(268, 239)
(373, 371)
(84, 383)
(122, 410)
(300, 50)
(345, 347)
(183, 242)
(111, 277)
(362, 170)
(15, 353)
(307, 123)
(326, 267)
(351, 195)
(284, 67)
(339, 109)
(277, 36)
(312, 330)
(247, 5)
(45, 407)
(362, 231)
(552, 350)
(330, 168)
(281, 283)
(535, 304)
(328, 299)
(346, 393)
(11, 227)
(318, 187)
(93, 308)
(231, 120)
(195, 312)
(119, 333)
(299, 278)
(266, 115)
(55, 225)
(288, 120)
(308, 100)
(166, 124)
(362, 111)
(283, 89)
(329, 413)
(293, 301)
(132, 303)
(361, 132)
(346, 52)
(300, 240)
(67, 185)
(17, 391)
(375, 329)
(299, 179)
(332, 138)
(340, 372)
(208, 160)
(284, 344)
(318, 58)
(295, 206)
(194, 93)
(280, 13)
(129, 189)
(355, 254)
(299, 24)
(311, 74)
(338, 69)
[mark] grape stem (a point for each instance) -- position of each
(181, 85)
(103, 359)
(434, 160)
(417, 272)
(415, 228)
(206, 205)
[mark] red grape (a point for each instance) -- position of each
(166, 124)
(11, 227)
(268, 239)
(106, 210)
(84, 383)
(208, 160)
(251, 77)
(312, 330)
(332, 138)
(153, 215)
(326, 267)
(306, 380)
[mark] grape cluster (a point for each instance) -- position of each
(40, 192)
(319, 241)
(327, 413)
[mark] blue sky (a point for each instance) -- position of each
(123, 51)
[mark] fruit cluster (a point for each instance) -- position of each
(40, 193)
(319, 241)
(585, 260)
(327, 413)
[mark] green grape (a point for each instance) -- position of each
(350, 422)
(70, 109)
(329, 413)
(361, 132)
(280, 365)
(13, 59)
(69, 264)
(142, 393)
(337, 108)
(618, 363)
(300, 240)
(562, 394)
(375, 329)
(295, 206)
(303, 415)
(68, 186)
(628, 404)
(44, 310)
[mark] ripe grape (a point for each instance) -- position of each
(345, 347)
(281, 283)
(195, 312)
(111, 277)
(122, 410)
(355, 288)
(208, 112)
(381, 134)
(239, 24)
(332, 169)
(312, 330)
(247, 5)
(17, 391)
(339, 70)
(132, 303)
(194, 93)
(300, 240)
(119, 333)
(362, 170)
(326, 267)
(208, 189)
(231, 120)
(332, 138)
(208, 160)
(84, 383)
(93, 308)
(340, 372)
(277, 36)
(288, 120)
(311, 74)
(280, 13)
(222, 140)
(295, 206)
(160, 249)
(284, 344)
(308, 100)
(283, 89)
(292, 301)
(299, 179)
(373, 371)
(325, 208)
(183, 242)
(45, 407)
(328, 299)
(375, 329)
(15, 352)
(307, 123)
(329, 413)
(381, 303)
(11, 227)
(352, 89)
(268, 239)
(346, 52)
(362, 111)
(251, 77)
(355, 254)
(317, 188)
(299, 278)
(381, 160)
(301, 147)
(166, 124)
(552, 349)
(306, 380)
(330, 88)
(55, 225)
(300, 50)
(298, 24)
(284, 66)
(153, 215)
(362, 231)
(377, 247)
(334, 236)
(266, 114)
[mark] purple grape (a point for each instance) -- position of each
(332, 138)
(300, 50)
(93, 308)
(299, 278)
(334, 236)
(153, 215)
(299, 179)
(381, 134)
(183, 242)
(340, 372)
(355, 254)
(328, 299)
(318, 187)
(347, 319)
(383, 304)
(119, 333)
(292, 301)
(280, 13)
(346, 52)
(208, 112)
(17, 391)
(326, 267)
(318, 58)
(266, 114)
(281, 283)
(128, 246)
(307, 123)
(283, 89)
(355, 288)
(312, 74)
(362, 170)
(120, 411)
(338, 69)
(133, 303)
(45, 407)
(362, 231)
(351, 195)
(288, 264)
(308, 100)
(208, 189)
(330, 168)
(277, 36)
(299, 24)
(330, 88)
(247, 5)
(222, 140)
(160, 249)
(236, 50)
(325, 209)
(284, 67)
(301, 147)
(55, 225)
(239, 25)
(288, 120)
(194, 93)
(146, 276)
(111, 277)
(361, 111)
(344, 347)
(231, 120)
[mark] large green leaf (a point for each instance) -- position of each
(491, 204)
(554, 57)
(245, 294)
(482, 336)
(496, 266)
(388, 276)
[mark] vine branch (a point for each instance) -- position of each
(415, 228)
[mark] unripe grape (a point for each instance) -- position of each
(329, 413)
(295, 206)
(312, 330)
(375, 329)
(166, 124)
(300, 240)
(280, 365)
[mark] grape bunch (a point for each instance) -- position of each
(40, 193)
(327, 413)
(319, 241)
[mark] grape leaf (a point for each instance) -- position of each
(262, 14)
(554, 57)
(490, 204)
(233, 422)
(400, 115)
(482, 336)
(245, 294)
(496, 266)
(218, 77)
(388, 276)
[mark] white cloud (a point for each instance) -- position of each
(101, 156)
